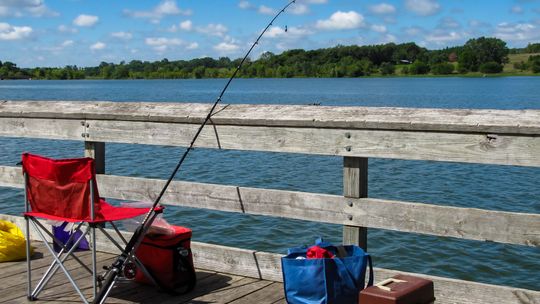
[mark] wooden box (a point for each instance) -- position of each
(401, 289)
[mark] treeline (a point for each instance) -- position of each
(484, 55)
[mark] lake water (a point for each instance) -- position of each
(503, 188)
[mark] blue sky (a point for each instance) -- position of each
(87, 32)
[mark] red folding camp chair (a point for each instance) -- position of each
(65, 190)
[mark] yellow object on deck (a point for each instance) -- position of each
(12, 242)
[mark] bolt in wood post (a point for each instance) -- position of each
(355, 185)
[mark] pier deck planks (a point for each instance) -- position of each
(211, 287)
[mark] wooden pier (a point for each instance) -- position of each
(212, 287)
(501, 137)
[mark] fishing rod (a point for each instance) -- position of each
(116, 268)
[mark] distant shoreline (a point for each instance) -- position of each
(469, 75)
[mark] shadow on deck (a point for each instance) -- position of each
(211, 287)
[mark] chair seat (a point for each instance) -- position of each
(108, 213)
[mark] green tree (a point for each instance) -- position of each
(533, 48)
(491, 67)
(442, 68)
(419, 68)
(534, 63)
(479, 51)
(387, 68)
(522, 66)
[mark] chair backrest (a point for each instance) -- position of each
(61, 187)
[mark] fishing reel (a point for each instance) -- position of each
(130, 271)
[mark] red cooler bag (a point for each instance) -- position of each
(169, 260)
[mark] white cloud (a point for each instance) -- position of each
(66, 29)
(448, 22)
(192, 46)
(378, 28)
(265, 10)
(516, 9)
(275, 31)
(162, 44)
(213, 29)
(413, 31)
(423, 7)
(517, 32)
(163, 9)
(341, 21)
(226, 47)
(382, 9)
(389, 38)
(19, 8)
(122, 35)
(313, 1)
(245, 5)
(299, 9)
(9, 32)
(85, 20)
(67, 43)
(291, 33)
(443, 38)
(157, 41)
(186, 25)
(98, 46)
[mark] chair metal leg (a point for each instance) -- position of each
(62, 255)
(59, 263)
(28, 261)
(94, 262)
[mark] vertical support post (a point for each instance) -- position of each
(96, 150)
(355, 185)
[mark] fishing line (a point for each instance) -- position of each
(114, 271)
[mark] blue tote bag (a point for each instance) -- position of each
(325, 281)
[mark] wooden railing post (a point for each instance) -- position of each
(96, 150)
(355, 185)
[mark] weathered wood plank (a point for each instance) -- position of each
(270, 294)
(467, 223)
(11, 177)
(437, 146)
(234, 291)
(454, 120)
(355, 142)
(64, 129)
(355, 185)
(267, 266)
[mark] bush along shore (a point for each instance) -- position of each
(477, 58)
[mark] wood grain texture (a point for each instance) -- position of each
(385, 133)
(267, 266)
(64, 129)
(454, 120)
(437, 146)
(355, 185)
(465, 223)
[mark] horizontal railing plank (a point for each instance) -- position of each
(466, 223)
(437, 146)
(64, 129)
(413, 119)
(455, 147)
(267, 266)
(307, 131)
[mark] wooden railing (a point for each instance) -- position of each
(501, 137)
